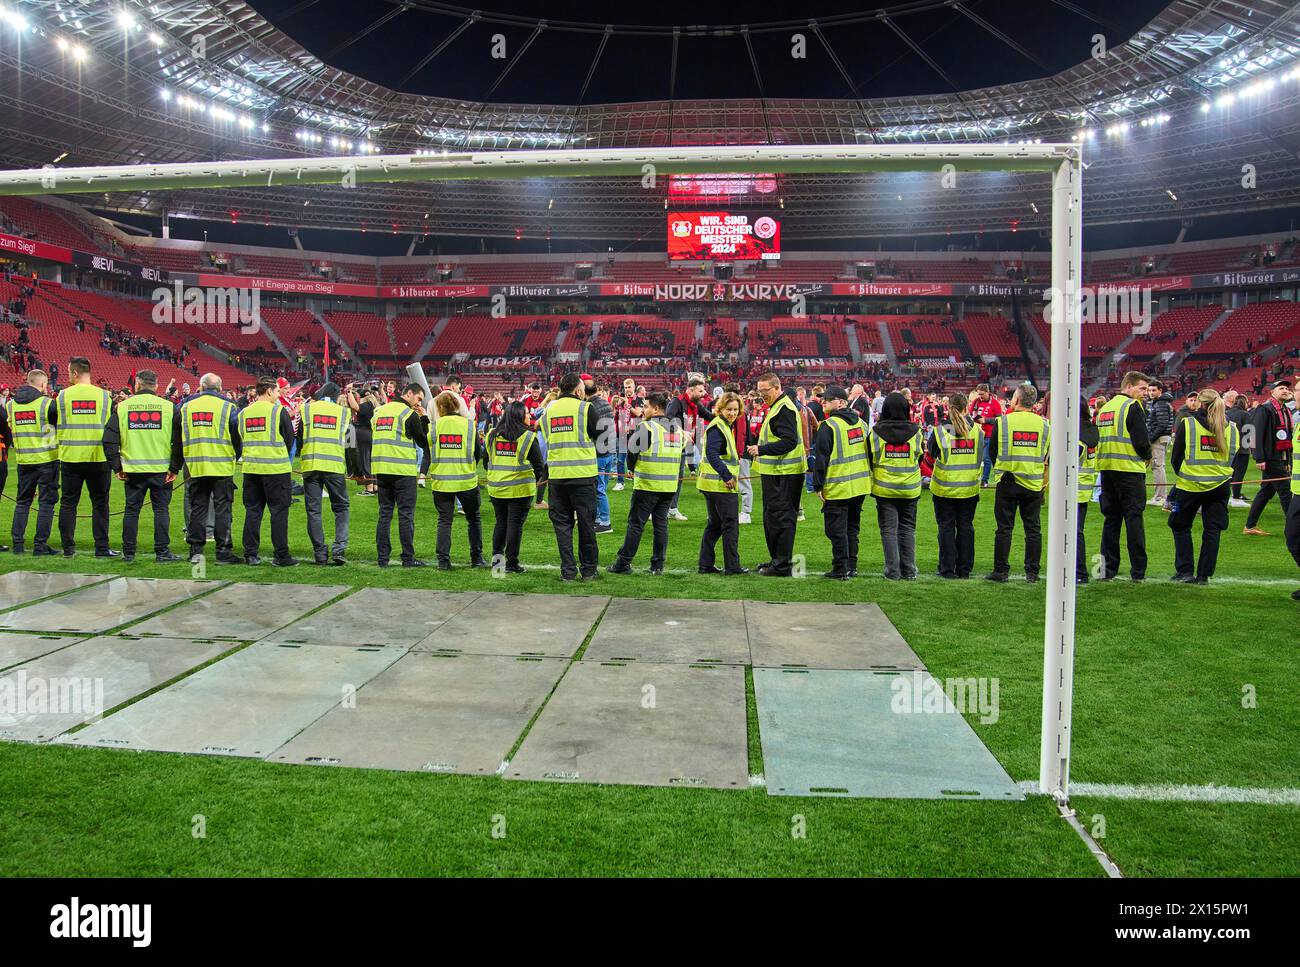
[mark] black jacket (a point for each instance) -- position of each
(1267, 422)
(639, 439)
(1160, 417)
(1239, 416)
(606, 435)
(824, 443)
(1178, 451)
(1136, 425)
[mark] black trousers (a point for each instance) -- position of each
(646, 505)
(159, 491)
(570, 503)
(1081, 543)
(314, 482)
(1273, 468)
(508, 531)
(34, 477)
(1009, 499)
(446, 506)
(220, 491)
(781, 494)
(1123, 503)
(955, 517)
(1240, 464)
(842, 520)
(399, 491)
(1213, 507)
(97, 479)
(724, 522)
(273, 492)
(1293, 530)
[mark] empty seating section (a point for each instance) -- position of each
(481, 335)
(298, 329)
(789, 336)
(46, 224)
(170, 259)
(1212, 260)
(363, 333)
(274, 266)
(405, 274)
(645, 336)
(410, 333)
(516, 272)
(362, 273)
(1099, 338)
(1251, 328)
(793, 270)
(1170, 330)
(990, 334)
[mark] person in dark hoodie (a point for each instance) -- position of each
(955, 487)
(1205, 443)
(841, 477)
(516, 468)
(31, 417)
(1239, 416)
(894, 449)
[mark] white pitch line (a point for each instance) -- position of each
(1174, 793)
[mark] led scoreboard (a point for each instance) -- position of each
(727, 235)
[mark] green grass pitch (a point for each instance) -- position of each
(1160, 677)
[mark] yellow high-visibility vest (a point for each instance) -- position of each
(206, 443)
(570, 452)
(264, 450)
(659, 466)
(1204, 467)
(324, 437)
(796, 461)
(83, 413)
(895, 467)
(1087, 472)
(1115, 451)
(509, 473)
(848, 471)
(35, 440)
(708, 480)
(1023, 441)
(144, 423)
(957, 468)
(452, 443)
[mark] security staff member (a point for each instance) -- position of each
(1293, 512)
(654, 456)
(1088, 439)
(894, 447)
(324, 426)
(1205, 443)
(84, 410)
(138, 443)
(266, 432)
(455, 451)
(780, 461)
(206, 432)
(1020, 444)
(32, 418)
(569, 427)
(718, 481)
(955, 487)
(515, 468)
(399, 447)
(841, 477)
(1123, 452)
(1273, 424)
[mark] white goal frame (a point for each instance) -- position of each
(1062, 161)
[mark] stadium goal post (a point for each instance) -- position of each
(1063, 162)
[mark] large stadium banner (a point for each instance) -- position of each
(727, 235)
(434, 291)
(721, 185)
(31, 248)
(105, 263)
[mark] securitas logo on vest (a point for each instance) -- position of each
(257, 423)
(102, 921)
(85, 406)
(25, 418)
(1209, 443)
(1024, 438)
(325, 421)
(384, 423)
(561, 423)
(202, 419)
(507, 448)
(898, 450)
(855, 435)
(963, 446)
(1106, 419)
(451, 441)
(144, 420)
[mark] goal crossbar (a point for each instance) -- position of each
(1062, 161)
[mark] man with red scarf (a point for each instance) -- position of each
(1273, 425)
(692, 414)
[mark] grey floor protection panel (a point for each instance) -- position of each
(248, 704)
(848, 636)
(17, 648)
(537, 625)
(104, 606)
(377, 616)
(671, 630)
(83, 681)
(20, 587)
(240, 612)
(641, 724)
(869, 734)
(432, 713)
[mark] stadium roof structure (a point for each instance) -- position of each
(1167, 118)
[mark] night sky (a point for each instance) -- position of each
(636, 68)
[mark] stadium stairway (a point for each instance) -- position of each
(430, 339)
(887, 343)
(851, 334)
(1177, 361)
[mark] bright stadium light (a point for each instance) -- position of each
(125, 20)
